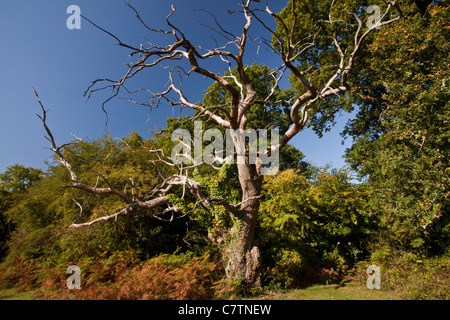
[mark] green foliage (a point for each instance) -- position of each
(320, 58)
(135, 139)
(17, 178)
(400, 97)
(314, 219)
(409, 274)
(223, 183)
(403, 149)
(43, 214)
(14, 182)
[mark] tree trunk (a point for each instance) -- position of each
(242, 252)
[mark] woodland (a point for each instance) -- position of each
(142, 226)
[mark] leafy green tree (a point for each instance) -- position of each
(42, 214)
(399, 94)
(402, 142)
(313, 220)
(5, 226)
(17, 178)
(15, 181)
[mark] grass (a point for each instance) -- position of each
(332, 292)
(14, 294)
(350, 291)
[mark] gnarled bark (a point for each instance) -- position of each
(243, 246)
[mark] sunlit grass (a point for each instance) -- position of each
(14, 294)
(332, 292)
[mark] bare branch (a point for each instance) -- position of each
(224, 33)
(346, 65)
(81, 210)
(132, 209)
(109, 33)
(224, 203)
(75, 182)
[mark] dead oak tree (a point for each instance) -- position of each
(243, 253)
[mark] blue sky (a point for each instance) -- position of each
(38, 50)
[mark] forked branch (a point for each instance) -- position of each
(155, 198)
(61, 159)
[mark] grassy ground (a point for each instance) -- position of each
(13, 294)
(332, 292)
(319, 292)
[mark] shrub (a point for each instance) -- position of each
(166, 277)
(22, 274)
(410, 275)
